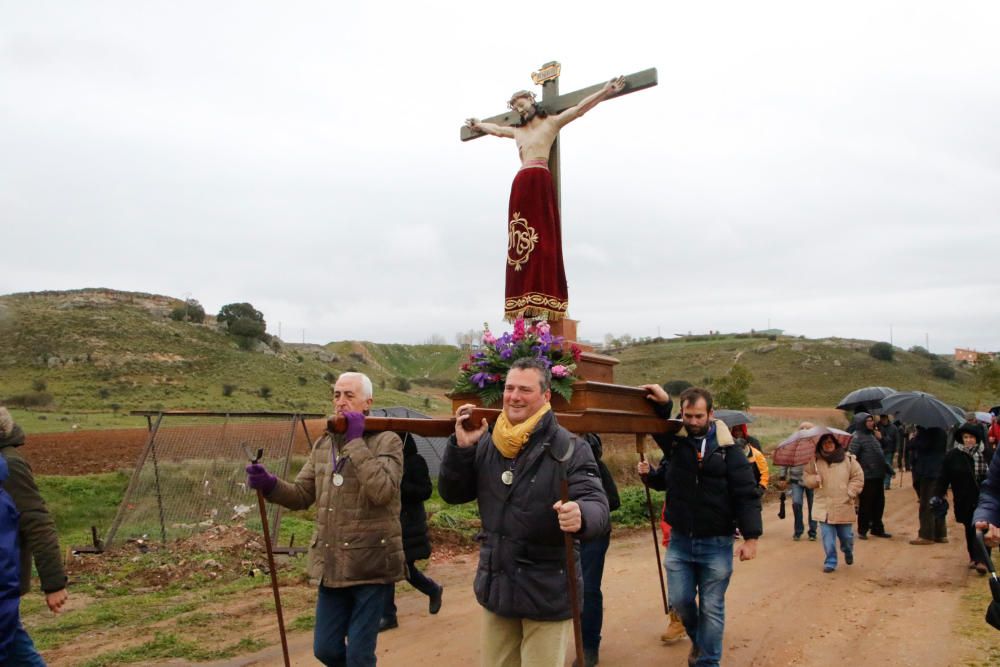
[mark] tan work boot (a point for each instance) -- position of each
(675, 631)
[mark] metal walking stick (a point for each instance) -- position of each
(574, 593)
(270, 558)
(640, 440)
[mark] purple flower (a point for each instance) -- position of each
(506, 353)
(480, 379)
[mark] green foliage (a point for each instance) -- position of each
(634, 511)
(39, 384)
(942, 369)
(104, 392)
(232, 312)
(733, 389)
(882, 351)
(264, 392)
(228, 389)
(247, 328)
(330, 378)
(987, 376)
(82, 501)
(401, 384)
(301, 380)
(922, 351)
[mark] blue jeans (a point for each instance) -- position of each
(592, 555)
(797, 492)
(832, 531)
(22, 652)
(700, 566)
(350, 613)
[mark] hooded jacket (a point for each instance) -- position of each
(37, 529)
(868, 449)
(713, 496)
(838, 486)
(522, 553)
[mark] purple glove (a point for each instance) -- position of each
(355, 425)
(259, 478)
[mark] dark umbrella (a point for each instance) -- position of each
(733, 418)
(916, 407)
(800, 447)
(993, 611)
(865, 398)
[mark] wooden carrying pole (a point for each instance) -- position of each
(270, 561)
(589, 421)
(639, 442)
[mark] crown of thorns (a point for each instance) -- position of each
(519, 94)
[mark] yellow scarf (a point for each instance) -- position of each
(509, 438)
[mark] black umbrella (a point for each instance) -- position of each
(733, 417)
(916, 407)
(993, 611)
(865, 398)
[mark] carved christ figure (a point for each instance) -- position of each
(536, 279)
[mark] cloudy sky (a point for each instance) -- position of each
(826, 169)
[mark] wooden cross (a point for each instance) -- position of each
(553, 103)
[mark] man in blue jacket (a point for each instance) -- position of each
(711, 492)
(987, 514)
(514, 473)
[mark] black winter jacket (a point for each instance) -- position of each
(712, 497)
(414, 489)
(522, 555)
(929, 447)
(868, 449)
(958, 471)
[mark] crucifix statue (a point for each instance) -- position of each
(536, 279)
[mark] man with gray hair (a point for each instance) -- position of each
(354, 480)
(515, 473)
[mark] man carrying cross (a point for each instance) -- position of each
(514, 474)
(536, 279)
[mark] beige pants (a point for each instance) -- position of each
(518, 642)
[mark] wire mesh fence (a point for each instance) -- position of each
(191, 474)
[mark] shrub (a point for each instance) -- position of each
(731, 390)
(329, 377)
(922, 351)
(401, 384)
(942, 369)
(675, 387)
(228, 389)
(264, 392)
(30, 400)
(104, 392)
(881, 351)
(39, 385)
(178, 314)
(302, 381)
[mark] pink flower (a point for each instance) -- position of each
(488, 338)
(519, 329)
(560, 371)
(544, 328)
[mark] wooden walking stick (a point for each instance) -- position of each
(270, 558)
(640, 440)
(574, 593)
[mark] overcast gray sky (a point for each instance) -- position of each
(832, 170)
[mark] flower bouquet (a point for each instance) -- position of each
(484, 373)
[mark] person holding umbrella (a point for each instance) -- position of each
(964, 470)
(800, 495)
(839, 479)
(868, 450)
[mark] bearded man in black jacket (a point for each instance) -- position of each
(711, 493)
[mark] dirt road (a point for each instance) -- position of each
(896, 605)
